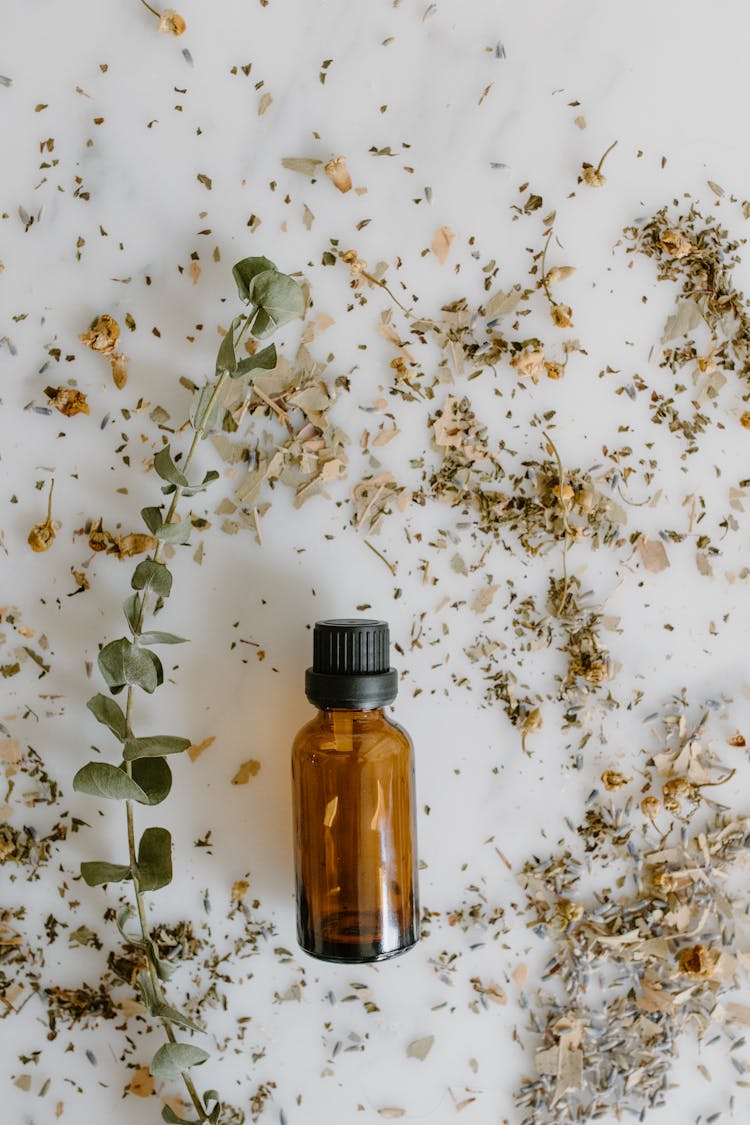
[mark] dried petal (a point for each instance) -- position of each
(119, 364)
(171, 23)
(675, 244)
(67, 400)
(529, 364)
(562, 316)
(613, 780)
(697, 961)
(338, 174)
(592, 177)
(103, 334)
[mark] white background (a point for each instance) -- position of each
(665, 80)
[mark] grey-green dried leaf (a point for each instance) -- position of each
(245, 273)
(154, 746)
(305, 165)
(502, 304)
(687, 316)
(154, 859)
(173, 1058)
(154, 576)
(101, 779)
(154, 777)
(153, 518)
(97, 871)
(172, 1015)
(159, 637)
(176, 533)
(106, 711)
(167, 469)
(279, 300)
(264, 360)
(226, 358)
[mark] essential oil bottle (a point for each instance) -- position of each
(354, 803)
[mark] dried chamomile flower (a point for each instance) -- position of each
(675, 790)
(42, 535)
(738, 740)
(745, 419)
(651, 807)
(554, 370)
(564, 493)
(597, 672)
(338, 173)
(171, 23)
(593, 176)
(675, 244)
(103, 334)
(67, 400)
(529, 364)
(567, 912)
(697, 961)
(613, 780)
(562, 316)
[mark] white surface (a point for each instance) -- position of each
(666, 79)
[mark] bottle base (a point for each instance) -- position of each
(338, 954)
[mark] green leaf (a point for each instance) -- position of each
(175, 532)
(131, 609)
(152, 518)
(167, 1012)
(154, 746)
(147, 991)
(154, 859)
(155, 637)
(99, 871)
(154, 777)
(194, 489)
(122, 662)
(150, 575)
(100, 779)
(279, 300)
(246, 271)
(110, 714)
(264, 360)
(167, 469)
(226, 359)
(124, 914)
(173, 1058)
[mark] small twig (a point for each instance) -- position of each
(605, 154)
(391, 566)
(566, 525)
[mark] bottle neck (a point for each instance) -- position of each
(352, 713)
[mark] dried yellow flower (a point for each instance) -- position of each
(697, 961)
(675, 244)
(613, 779)
(562, 316)
(171, 23)
(103, 334)
(737, 739)
(67, 400)
(564, 494)
(745, 419)
(651, 807)
(529, 364)
(338, 174)
(591, 176)
(42, 535)
(665, 881)
(567, 912)
(554, 370)
(597, 672)
(239, 890)
(676, 788)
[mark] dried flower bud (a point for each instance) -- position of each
(651, 807)
(171, 23)
(592, 177)
(67, 400)
(737, 739)
(564, 494)
(42, 535)
(559, 273)
(119, 364)
(584, 501)
(676, 788)
(613, 779)
(697, 961)
(665, 881)
(338, 174)
(745, 419)
(554, 370)
(356, 264)
(675, 244)
(597, 672)
(99, 539)
(103, 334)
(533, 722)
(562, 316)
(567, 912)
(529, 364)
(671, 804)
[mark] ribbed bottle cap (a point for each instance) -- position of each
(351, 665)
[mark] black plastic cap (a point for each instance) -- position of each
(351, 665)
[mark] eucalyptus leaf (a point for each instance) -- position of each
(153, 519)
(98, 871)
(154, 746)
(147, 991)
(279, 300)
(110, 714)
(151, 575)
(172, 1015)
(154, 777)
(154, 859)
(193, 489)
(264, 360)
(175, 532)
(124, 914)
(171, 1117)
(246, 271)
(122, 662)
(101, 779)
(157, 637)
(173, 1058)
(131, 608)
(226, 359)
(167, 469)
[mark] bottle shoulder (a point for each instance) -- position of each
(343, 730)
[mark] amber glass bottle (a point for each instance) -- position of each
(354, 804)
